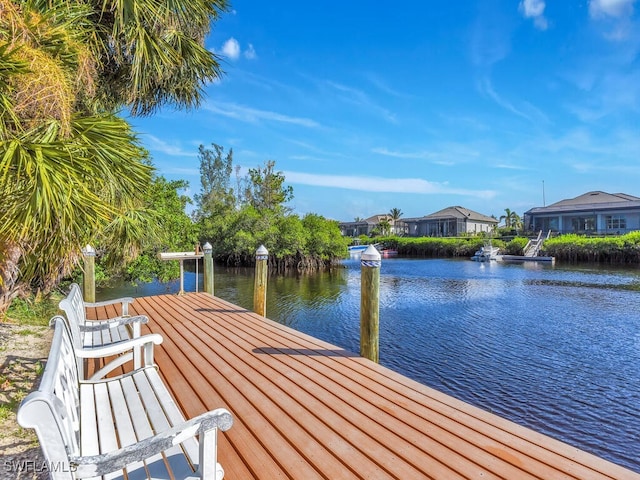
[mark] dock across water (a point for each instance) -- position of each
(305, 409)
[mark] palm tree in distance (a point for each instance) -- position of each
(511, 219)
(395, 214)
(384, 226)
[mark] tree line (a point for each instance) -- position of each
(236, 212)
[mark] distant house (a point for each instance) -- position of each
(592, 212)
(364, 227)
(449, 222)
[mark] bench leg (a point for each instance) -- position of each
(209, 467)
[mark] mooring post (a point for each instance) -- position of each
(208, 268)
(370, 303)
(260, 283)
(89, 275)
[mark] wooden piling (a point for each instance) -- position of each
(89, 274)
(260, 282)
(370, 303)
(208, 268)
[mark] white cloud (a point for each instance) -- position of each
(250, 53)
(379, 184)
(615, 93)
(535, 9)
(359, 98)
(611, 8)
(390, 153)
(252, 115)
(490, 40)
(158, 145)
(231, 49)
(447, 154)
(385, 88)
(486, 88)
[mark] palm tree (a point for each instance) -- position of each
(384, 226)
(395, 214)
(511, 219)
(71, 170)
(507, 218)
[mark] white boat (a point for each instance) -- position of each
(357, 248)
(486, 253)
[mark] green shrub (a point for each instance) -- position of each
(516, 246)
(437, 247)
(623, 249)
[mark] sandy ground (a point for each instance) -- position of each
(23, 352)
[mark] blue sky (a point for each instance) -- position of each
(420, 105)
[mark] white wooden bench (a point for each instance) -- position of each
(127, 427)
(91, 334)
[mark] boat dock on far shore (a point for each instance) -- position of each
(522, 258)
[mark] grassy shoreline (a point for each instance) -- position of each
(568, 248)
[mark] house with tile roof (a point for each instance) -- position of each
(364, 227)
(450, 222)
(591, 213)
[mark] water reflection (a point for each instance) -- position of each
(556, 349)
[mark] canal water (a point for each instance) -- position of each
(556, 349)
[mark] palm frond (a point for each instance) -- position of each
(59, 192)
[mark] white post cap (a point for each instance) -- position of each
(262, 251)
(89, 251)
(371, 254)
(207, 248)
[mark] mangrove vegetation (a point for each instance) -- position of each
(237, 212)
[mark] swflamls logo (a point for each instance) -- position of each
(32, 466)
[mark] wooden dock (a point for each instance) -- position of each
(305, 409)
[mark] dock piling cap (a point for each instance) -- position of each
(371, 254)
(262, 250)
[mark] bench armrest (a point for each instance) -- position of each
(93, 325)
(125, 301)
(97, 465)
(123, 351)
(116, 348)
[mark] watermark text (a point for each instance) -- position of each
(33, 466)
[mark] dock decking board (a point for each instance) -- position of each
(305, 409)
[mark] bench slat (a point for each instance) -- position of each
(106, 426)
(88, 421)
(174, 415)
(159, 422)
(155, 464)
(126, 433)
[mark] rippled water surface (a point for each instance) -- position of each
(555, 349)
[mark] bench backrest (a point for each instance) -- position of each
(73, 306)
(53, 409)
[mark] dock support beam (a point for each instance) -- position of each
(208, 268)
(89, 274)
(260, 282)
(370, 303)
